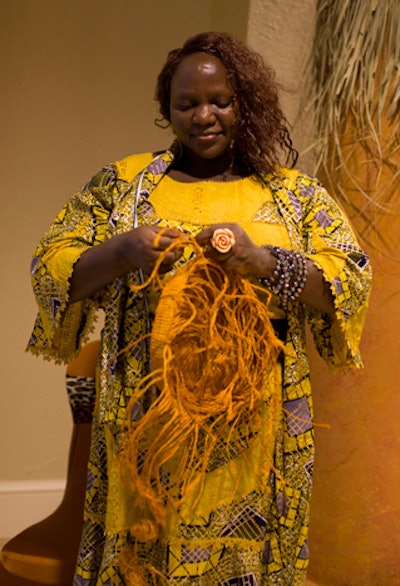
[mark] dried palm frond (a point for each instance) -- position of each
(355, 79)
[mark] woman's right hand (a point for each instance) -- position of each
(140, 249)
(117, 256)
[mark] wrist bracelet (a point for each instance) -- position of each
(289, 275)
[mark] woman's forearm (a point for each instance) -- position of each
(139, 248)
(316, 291)
(97, 267)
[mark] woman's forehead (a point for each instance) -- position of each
(199, 66)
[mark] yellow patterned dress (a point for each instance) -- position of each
(258, 537)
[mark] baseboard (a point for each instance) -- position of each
(23, 503)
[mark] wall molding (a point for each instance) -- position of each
(25, 502)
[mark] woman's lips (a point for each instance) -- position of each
(206, 137)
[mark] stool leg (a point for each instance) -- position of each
(46, 552)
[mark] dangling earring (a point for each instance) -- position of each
(232, 151)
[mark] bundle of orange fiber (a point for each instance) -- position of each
(213, 355)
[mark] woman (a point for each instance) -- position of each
(287, 236)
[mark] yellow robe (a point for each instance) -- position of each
(259, 538)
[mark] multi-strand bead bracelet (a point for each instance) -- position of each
(289, 276)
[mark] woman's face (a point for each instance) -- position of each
(202, 111)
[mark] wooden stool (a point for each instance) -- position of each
(46, 552)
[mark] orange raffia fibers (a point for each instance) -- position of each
(214, 354)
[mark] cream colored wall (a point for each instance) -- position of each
(283, 33)
(77, 83)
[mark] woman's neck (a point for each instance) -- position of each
(188, 169)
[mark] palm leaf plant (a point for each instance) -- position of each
(355, 76)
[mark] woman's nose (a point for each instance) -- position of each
(204, 114)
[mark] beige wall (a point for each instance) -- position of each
(77, 84)
(283, 33)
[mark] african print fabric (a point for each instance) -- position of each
(256, 536)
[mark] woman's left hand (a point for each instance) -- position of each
(244, 256)
(248, 259)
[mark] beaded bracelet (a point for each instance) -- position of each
(289, 275)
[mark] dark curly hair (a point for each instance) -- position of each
(262, 128)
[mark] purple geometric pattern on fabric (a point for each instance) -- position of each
(55, 306)
(245, 580)
(323, 218)
(355, 253)
(196, 554)
(136, 411)
(79, 581)
(248, 522)
(307, 190)
(304, 553)
(298, 416)
(346, 246)
(34, 265)
(296, 205)
(32, 339)
(268, 557)
(90, 478)
(157, 167)
(112, 368)
(144, 194)
(361, 260)
(338, 285)
(282, 504)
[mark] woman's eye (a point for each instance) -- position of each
(223, 105)
(218, 104)
(183, 107)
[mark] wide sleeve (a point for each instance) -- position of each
(332, 245)
(61, 327)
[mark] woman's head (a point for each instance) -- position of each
(261, 129)
(202, 111)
